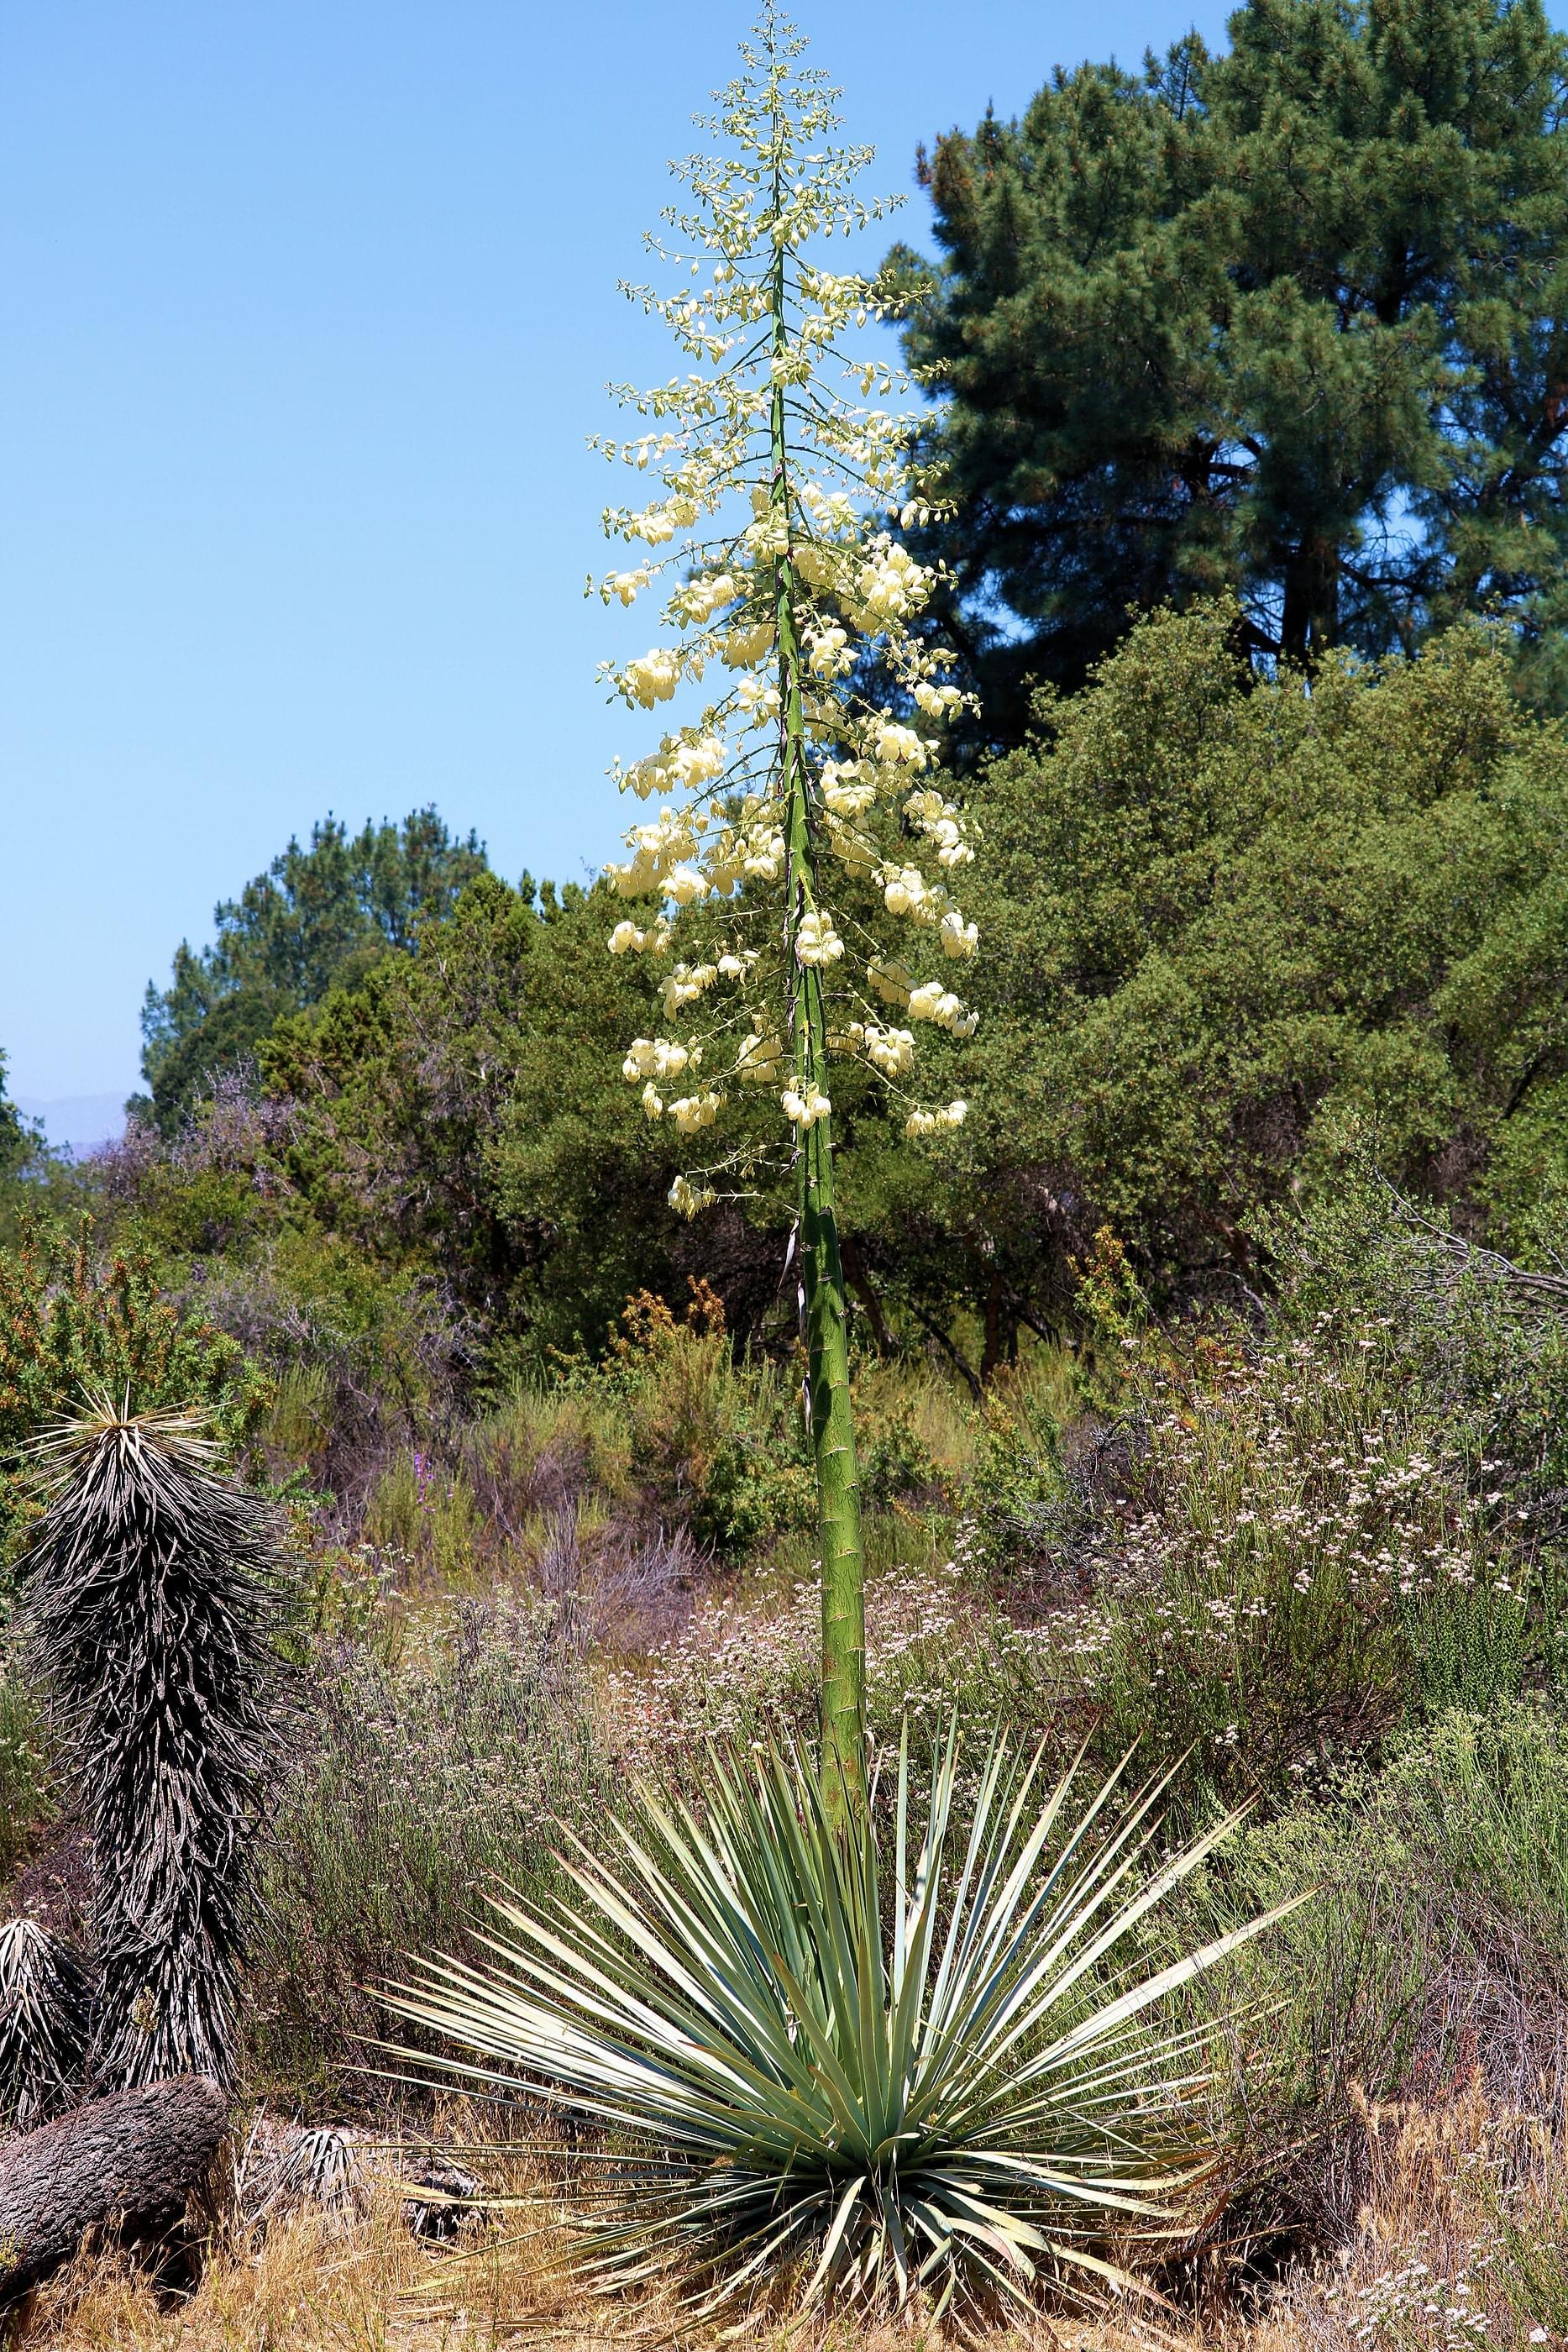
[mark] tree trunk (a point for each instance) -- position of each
(128, 2162)
(1310, 621)
(991, 1359)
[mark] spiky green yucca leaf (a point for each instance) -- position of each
(962, 2102)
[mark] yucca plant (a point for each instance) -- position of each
(959, 2106)
(45, 1997)
(151, 1595)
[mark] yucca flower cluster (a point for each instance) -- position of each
(795, 804)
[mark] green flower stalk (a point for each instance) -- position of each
(796, 798)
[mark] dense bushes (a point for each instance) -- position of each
(1437, 1943)
(1220, 916)
(462, 1112)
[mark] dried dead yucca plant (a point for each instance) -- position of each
(151, 1595)
(45, 2020)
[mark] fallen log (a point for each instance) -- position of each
(127, 2163)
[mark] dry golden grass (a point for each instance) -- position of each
(319, 2283)
(1462, 2244)
(312, 2287)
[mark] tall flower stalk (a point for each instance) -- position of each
(802, 811)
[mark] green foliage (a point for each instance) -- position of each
(932, 2083)
(73, 1315)
(459, 1109)
(1436, 1937)
(362, 1355)
(1014, 1493)
(18, 1141)
(26, 1799)
(1220, 918)
(719, 1443)
(430, 1765)
(1286, 320)
(896, 1465)
(1469, 1648)
(317, 918)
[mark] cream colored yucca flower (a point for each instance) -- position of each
(776, 476)
(805, 1106)
(654, 678)
(816, 942)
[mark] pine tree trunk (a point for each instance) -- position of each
(822, 1273)
(1309, 622)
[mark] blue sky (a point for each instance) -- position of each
(306, 309)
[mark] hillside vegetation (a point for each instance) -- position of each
(404, 1510)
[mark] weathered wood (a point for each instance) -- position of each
(128, 2162)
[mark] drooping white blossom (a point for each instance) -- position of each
(800, 805)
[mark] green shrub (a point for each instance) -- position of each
(72, 1316)
(1014, 1496)
(1220, 913)
(365, 1359)
(1469, 1649)
(1438, 1940)
(428, 1516)
(896, 1465)
(26, 1798)
(716, 1444)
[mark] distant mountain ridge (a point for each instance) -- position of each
(76, 1123)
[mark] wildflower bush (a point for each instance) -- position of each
(743, 1668)
(434, 1757)
(1292, 1533)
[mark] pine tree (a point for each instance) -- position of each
(317, 918)
(1292, 321)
